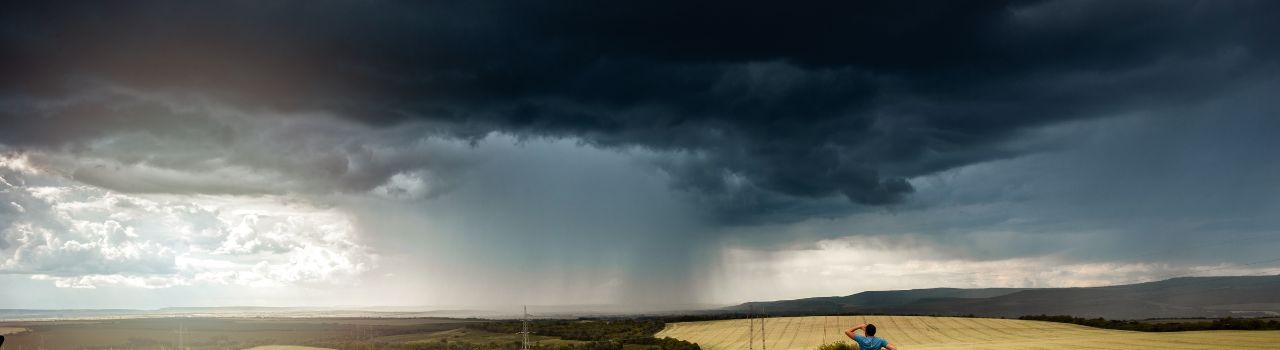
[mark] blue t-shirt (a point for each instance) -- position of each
(869, 343)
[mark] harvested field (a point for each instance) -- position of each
(922, 332)
(8, 330)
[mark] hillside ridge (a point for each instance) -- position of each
(1218, 296)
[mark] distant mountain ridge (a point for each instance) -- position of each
(870, 299)
(1238, 296)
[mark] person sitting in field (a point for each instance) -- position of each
(869, 342)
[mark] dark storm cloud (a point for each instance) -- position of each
(761, 105)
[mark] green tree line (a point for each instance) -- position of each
(614, 331)
(1140, 326)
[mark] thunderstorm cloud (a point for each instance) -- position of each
(634, 152)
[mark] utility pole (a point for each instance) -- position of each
(180, 347)
(764, 345)
(751, 326)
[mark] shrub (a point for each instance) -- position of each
(838, 345)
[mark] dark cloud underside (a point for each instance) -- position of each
(768, 106)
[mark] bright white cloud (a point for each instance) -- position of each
(79, 236)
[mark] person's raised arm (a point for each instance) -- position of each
(850, 332)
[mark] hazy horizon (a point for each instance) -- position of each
(158, 154)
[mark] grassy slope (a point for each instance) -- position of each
(917, 332)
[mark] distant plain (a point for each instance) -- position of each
(211, 333)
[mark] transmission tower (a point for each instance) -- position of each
(524, 330)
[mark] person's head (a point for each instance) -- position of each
(871, 330)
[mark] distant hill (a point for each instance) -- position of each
(868, 300)
(1239, 296)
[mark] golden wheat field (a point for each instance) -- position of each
(922, 332)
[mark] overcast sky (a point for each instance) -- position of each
(650, 154)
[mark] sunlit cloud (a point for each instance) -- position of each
(81, 236)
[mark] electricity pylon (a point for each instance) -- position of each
(524, 330)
